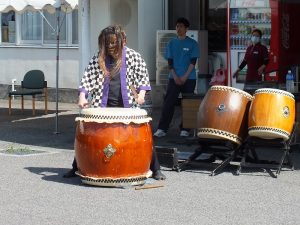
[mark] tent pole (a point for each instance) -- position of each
(57, 67)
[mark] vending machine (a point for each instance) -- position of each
(277, 19)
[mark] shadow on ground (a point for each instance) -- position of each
(54, 175)
(38, 130)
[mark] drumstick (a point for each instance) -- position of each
(135, 94)
(148, 186)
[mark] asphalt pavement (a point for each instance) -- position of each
(33, 191)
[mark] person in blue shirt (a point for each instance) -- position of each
(182, 53)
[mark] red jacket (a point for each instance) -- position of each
(256, 55)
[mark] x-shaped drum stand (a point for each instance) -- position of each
(253, 143)
(224, 149)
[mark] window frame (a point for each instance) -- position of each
(41, 43)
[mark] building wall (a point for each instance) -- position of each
(16, 61)
(140, 19)
(150, 19)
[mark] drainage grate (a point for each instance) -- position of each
(20, 151)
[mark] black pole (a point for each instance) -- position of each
(57, 67)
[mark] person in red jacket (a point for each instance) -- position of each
(256, 59)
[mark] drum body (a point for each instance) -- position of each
(223, 114)
(271, 114)
(113, 146)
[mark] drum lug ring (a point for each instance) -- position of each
(286, 111)
(109, 151)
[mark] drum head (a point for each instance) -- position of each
(114, 115)
(273, 91)
(231, 89)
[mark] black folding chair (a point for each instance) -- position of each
(33, 84)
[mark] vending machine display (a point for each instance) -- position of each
(243, 21)
(278, 21)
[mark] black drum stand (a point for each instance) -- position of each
(250, 158)
(223, 149)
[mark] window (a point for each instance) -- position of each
(50, 28)
(209, 15)
(216, 24)
(39, 28)
(31, 27)
(8, 28)
(75, 27)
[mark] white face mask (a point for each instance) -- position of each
(255, 39)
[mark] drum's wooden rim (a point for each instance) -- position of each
(114, 182)
(265, 131)
(220, 134)
(231, 89)
(273, 91)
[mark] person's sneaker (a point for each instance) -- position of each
(70, 173)
(159, 133)
(158, 175)
(184, 133)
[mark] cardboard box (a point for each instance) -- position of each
(190, 109)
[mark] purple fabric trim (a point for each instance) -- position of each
(105, 92)
(82, 89)
(146, 88)
(123, 80)
(105, 86)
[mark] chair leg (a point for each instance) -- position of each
(33, 105)
(46, 101)
(22, 103)
(9, 105)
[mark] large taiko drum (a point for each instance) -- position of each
(223, 114)
(113, 146)
(271, 114)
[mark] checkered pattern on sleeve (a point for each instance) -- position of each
(92, 81)
(137, 73)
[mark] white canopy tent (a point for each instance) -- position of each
(52, 6)
(36, 5)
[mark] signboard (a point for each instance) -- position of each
(249, 3)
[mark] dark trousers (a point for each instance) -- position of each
(154, 165)
(173, 91)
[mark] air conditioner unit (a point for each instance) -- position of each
(162, 39)
(162, 71)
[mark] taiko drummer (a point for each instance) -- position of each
(116, 76)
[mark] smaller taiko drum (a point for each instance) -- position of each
(271, 114)
(223, 114)
(113, 146)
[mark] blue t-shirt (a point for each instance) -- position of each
(182, 51)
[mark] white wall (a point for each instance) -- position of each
(140, 19)
(16, 61)
(106, 12)
(150, 19)
(125, 12)
(99, 19)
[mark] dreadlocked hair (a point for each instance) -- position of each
(103, 39)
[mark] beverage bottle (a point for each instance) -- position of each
(289, 79)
